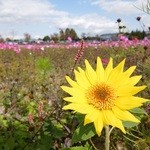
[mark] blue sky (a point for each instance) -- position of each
(45, 17)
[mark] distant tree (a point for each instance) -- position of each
(83, 35)
(73, 34)
(16, 40)
(55, 37)
(8, 39)
(27, 37)
(67, 33)
(1, 40)
(62, 35)
(40, 39)
(97, 37)
(137, 34)
(46, 38)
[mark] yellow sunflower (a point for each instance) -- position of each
(104, 95)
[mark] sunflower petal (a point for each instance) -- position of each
(134, 80)
(110, 119)
(129, 91)
(91, 116)
(82, 80)
(98, 123)
(126, 103)
(81, 108)
(124, 81)
(90, 73)
(116, 72)
(108, 69)
(129, 71)
(124, 115)
(100, 70)
(120, 66)
(76, 99)
(71, 82)
(73, 91)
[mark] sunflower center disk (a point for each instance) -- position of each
(101, 96)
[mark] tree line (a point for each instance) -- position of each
(62, 35)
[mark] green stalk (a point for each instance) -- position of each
(107, 138)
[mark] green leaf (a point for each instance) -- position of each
(129, 124)
(53, 129)
(83, 133)
(3, 122)
(44, 64)
(138, 111)
(76, 148)
(80, 117)
(11, 143)
(46, 142)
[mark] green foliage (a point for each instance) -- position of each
(139, 111)
(64, 34)
(83, 133)
(76, 148)
(43, 65)
(46, 38)
(137, 34)
(129, 124)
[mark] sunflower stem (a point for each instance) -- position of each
(107, 138)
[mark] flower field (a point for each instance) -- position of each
(31, 98)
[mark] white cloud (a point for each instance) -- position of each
(126, 7)
(93, 23)
(27, 11)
